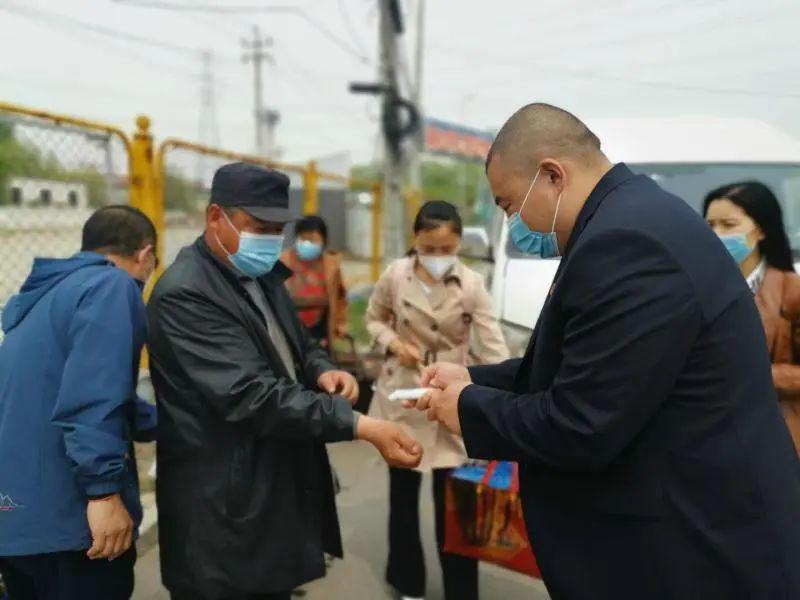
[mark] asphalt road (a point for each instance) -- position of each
(363, 514)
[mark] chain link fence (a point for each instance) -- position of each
(187, 171)
(55, 170)
(186, 186)
(52, 176)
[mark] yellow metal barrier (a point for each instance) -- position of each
(144, 187)
(182, 235)
(59, 119)
(310, 173)
(311, 189)
(142, 180)
(171, 143)
(55, 170)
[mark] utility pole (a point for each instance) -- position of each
(400, 120)
(394, 214)
(208, 129)
(418, 145)
(255, 52)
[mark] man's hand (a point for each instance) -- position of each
(408, 354)
(442, 405)
(396, 447)
(111, 528)
(341, 383)
(440, 375)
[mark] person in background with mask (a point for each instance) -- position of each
(747, 217)
(316, 285)
(425, 308)
(654, 461)
(247, 401)
(69, 413)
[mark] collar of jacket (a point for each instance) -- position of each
(616, 176)
(277, 276)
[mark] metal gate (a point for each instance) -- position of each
(55, 171)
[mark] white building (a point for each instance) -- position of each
(33, 192)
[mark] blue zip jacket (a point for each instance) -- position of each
(68, 407)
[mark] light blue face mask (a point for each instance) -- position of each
(308, 250)
(257, 253)
(532, 242)
(736, 244)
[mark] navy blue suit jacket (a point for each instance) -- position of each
(654, 462)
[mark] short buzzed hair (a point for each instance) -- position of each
(538, 130)
(118, 229)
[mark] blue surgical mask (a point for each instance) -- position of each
(308, 250)
(257, 254)
(532, 242)
(736, 244)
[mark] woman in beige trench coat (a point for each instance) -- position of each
(428, 307)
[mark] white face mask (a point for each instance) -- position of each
(437, 266)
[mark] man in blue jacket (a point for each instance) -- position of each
(654, 461)
(69, 494)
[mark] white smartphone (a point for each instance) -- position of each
(409, 394)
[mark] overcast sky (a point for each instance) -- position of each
(483, 60)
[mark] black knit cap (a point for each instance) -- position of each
(262, 193)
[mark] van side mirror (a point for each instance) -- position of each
(475, 244)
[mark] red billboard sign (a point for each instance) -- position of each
(449, 138)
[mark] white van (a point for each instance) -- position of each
(686, 156)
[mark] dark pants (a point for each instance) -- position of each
(68, 576)
(189, 595)
(406, 569)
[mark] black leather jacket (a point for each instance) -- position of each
(244, 486)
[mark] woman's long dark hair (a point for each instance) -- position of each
(761, 205)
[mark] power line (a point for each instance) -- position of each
(730, 56)
(698, 20)
(306, 90)
(704, 19)
(250, 9)
(208, 129)
(695, 88)
(715, 19)
(600, 76)
(116, 34)
(209, 8)
(60, 22)
(356, 37)
(80, 88)
(675, 86)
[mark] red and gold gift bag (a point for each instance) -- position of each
(483, 517)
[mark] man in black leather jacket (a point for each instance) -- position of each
(247, 402)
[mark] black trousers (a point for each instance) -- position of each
(406, 569)
(68, 576)
(190, 595)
